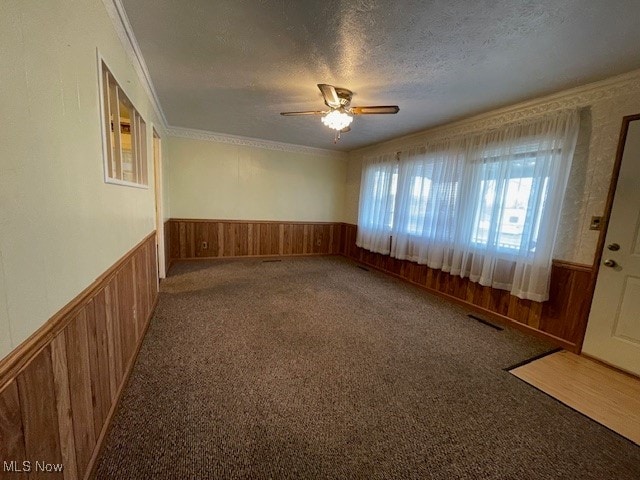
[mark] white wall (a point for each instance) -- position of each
(213, 180)
(603, 103)
(61, 226)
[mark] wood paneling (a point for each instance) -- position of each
(562, 319)
(63, 404)
(78, 353)
(192, 239)
(61, 386)
(100, 377)
(11, 430)
(167, 245)
(126, 309)
(116, 367)
(566, 312)
(39, 414)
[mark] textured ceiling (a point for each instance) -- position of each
(231, 66)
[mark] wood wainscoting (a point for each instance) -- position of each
(167, 247)
(191, 238)
(562, 319)
(59, 388)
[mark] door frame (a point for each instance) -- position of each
(622, 140)
(159, 211)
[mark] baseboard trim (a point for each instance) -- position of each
(20, 357)
(93, 463)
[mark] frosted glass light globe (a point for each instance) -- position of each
(337, 120)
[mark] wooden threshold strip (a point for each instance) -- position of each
(602, 393)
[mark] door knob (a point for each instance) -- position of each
(614, 247)
(610, 263)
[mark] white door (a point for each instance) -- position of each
(613, 331)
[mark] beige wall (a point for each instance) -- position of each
(61, 226)
(352, 188)
(208, 179)
(603, 105)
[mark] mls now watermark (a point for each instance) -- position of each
(29, 466)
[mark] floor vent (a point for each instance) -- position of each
(271, 261)
(363, 268)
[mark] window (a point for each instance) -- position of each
(381, 181)
(509, 202)
(484, 206)
(506, 193)
(419, 203)
(429, 199)
(386, 186)
(124, 135)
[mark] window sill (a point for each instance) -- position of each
(124, 183)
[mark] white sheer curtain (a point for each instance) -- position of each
(428, 203)
(484, 206)
(375, 215)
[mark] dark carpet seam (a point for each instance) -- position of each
(532, 359)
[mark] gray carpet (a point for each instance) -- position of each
(314, 368)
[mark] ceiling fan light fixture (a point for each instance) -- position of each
(337, 119)
(340, 115)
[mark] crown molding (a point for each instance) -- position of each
(251, 142)
(577, 97)
(123, 28)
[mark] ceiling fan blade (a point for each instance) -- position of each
(386, 109)
(345, 130)
(331, 98)
(310, 112)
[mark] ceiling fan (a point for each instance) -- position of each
(340, 115)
